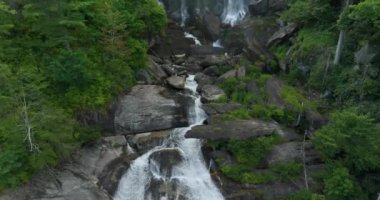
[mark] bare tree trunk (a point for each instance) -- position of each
(28, 126)
(339, 46)
(326, 69)
(363, 81)
(304, 161)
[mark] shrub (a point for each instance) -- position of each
(288, 170)
(351, 138)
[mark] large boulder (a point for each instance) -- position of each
(143, 142)
(81, 179)
(211, 26)
(165, 47)
(156, 71)
(211, 93)
(203, 79)
(166, 159)
(205, 50)
(262, 7)
(220, 108)
(241, 129)
(177, 82)
(281, 34)
(228, 75)
(217, 60)
(150, 108)
(143, 77)
(293, 151)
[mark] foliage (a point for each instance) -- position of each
(351, 138)
(56, 58)
(305, 12)
(363, 21)
(305, 195)
(293, 98)
(287, 170)
(311, 42)
(339, 185)
(248, 154)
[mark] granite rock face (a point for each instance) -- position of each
(150, 108)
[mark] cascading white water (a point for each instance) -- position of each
(217, 44)
(184, 13)
(191, 36)
(191, 176)
(234, 11)
(160, 3)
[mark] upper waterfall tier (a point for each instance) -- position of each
(229, 11)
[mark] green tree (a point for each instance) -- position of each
(339, 185)
(352, 138)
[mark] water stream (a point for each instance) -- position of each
(234, 11)
(191, 36)
(188, 179)
(184, 13)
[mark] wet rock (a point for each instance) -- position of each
(164, 160)
(110, 177)
(283, 33)
(169, 69)
(220, 108)
(205, 50)
(241, 129)
(150, 108)
(212, 71)
(203, 79)
(211, 93)
(262, 7)
(211, 26)
(165, 47)
(177, 82)
(156, 70)
(165, 189)
(214, 60)
(143, 77)
(146, 141)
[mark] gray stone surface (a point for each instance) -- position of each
(211, 93)
(150, 108)
(241, 129)
(220, 108)
(177, 82)
(78, 179)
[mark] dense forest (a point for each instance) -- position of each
(333, 67)
(339, 42)
(59, 58)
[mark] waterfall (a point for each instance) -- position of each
(217, 44)
(184, 13)
(191, 36)
(149, 179)
(234, 11)
(160, 3)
